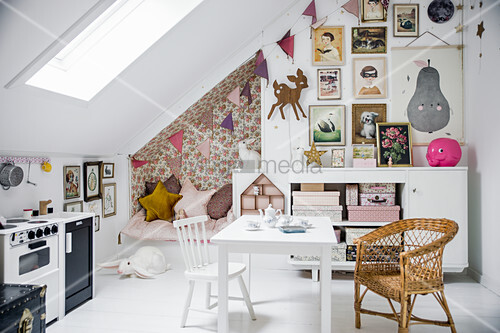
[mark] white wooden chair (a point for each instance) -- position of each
(193, 242)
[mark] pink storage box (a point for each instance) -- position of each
(327, 198)
(364, 162)
(373, 213)
(351, 194)
(377, 188)
(377, 199)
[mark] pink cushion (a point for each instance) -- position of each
(193, 202)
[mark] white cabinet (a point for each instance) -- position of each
(441, 192)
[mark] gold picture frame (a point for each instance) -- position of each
(394, 141)
(369, 77)
(405, 20)
(326, 51)
(364, 117)
(71, 181)
(109, 200)
(372, 11)
(369, 40)
(74, 206)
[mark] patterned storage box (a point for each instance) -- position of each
(377, 188)
(333, 212)
(351, 194)
(373, 213)
(328, 198)
(377, 199)
(338, 254)
(352, 233)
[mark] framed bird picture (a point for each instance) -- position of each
(327, 125)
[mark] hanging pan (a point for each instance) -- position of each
(10, 175)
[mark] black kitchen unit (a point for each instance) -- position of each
(79, 265)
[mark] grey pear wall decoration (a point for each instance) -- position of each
(428, 109)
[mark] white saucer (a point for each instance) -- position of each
(252, 229)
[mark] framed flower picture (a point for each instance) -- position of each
(329, 83)
(367, 40)
(92, 181)
(109, 200)
(327, 125)
(328, 46)
(373, 11)
(405, 20)
(71, 181)
(369, 77)
(394, 144)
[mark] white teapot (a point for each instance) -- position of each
(270, 217)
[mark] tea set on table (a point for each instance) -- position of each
(270, 217)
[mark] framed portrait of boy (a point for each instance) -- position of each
(364, 119)
(367, 40)
(373, 11)
(327, 125)
(394, 145)
(329, 86)
(328, 46)
(405, 19)
(369, 77)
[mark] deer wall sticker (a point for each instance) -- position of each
(287, 95)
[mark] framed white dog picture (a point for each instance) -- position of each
(364, 118)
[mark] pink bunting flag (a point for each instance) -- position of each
(261, 70)
(228, 122)
(136, 163)
(175, 164)
(352, 6)
(204, 148)
(234, 96)
(246, 92)
(176, 140)
(286, 35)
(207, 119)
(287, 45)
(311, 11)
(319, 23)
(260, 58)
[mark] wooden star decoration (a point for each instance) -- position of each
(480, 29)
(459, 28)
(460, 7)
(314, 155)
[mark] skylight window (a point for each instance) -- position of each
(109, 45)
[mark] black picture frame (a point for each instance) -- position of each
(92, 181)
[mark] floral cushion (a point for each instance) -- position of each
(171, 184)
(221, 202)
(194, 202)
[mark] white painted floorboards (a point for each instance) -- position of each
(284, 301)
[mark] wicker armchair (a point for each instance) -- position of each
(400, 260)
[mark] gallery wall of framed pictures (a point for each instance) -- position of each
(353, 62)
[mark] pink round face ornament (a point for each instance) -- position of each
(443, 152)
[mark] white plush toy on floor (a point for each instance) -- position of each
(147, 262)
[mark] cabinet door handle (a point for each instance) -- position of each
(69, 241)
(414, 190)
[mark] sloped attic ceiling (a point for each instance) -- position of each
(197, 50)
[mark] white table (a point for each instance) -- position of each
(316, 241)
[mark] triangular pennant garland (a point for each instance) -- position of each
(175, 164)
(311, 11)
(234, 96)
(352, 6)
(319, 23)
(261, 70)
(246, 92)
(207, 119)
(204, 148)
(260, 58)
(228, 122)
(287, 45)
(286, 35)
(176, 140)
(136, 163)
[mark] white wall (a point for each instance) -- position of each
(50, 186)
(481, 86)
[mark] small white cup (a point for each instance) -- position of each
(253, 224)
(304, 223)
(27, 213)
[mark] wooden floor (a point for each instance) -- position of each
(284, 301)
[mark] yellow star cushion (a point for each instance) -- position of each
(160, 204)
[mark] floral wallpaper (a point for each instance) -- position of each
(201, 121)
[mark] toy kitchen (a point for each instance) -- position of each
(56, 250)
